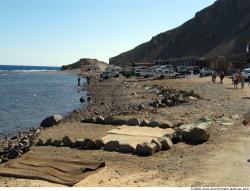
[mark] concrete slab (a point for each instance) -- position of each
(142, 131)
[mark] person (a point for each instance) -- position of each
(222, 75)
(235, 80)
(242, 81)
(88, 80)
(214, 77)
(79, 81)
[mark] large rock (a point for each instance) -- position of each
(146, 149)
(154, 123)
(158, 145)
(99, 144)
(125, 148)
(144, 123)
(195, 133)
(88, 120)
(67, 141)
(79, 143)
(50, 121)
(56, 143)
(89, 144)
(166, 143)
(133, 122)
(99, 120)
(111, 145)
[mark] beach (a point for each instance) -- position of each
(222, 160)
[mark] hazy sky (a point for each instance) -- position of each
(57, 32)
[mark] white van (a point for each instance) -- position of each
(169, 73)
(246, 74)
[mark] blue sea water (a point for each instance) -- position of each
(29, 94)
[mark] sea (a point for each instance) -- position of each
(28, 94)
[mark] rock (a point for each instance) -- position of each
(192, 98)
(119, 122)
(158, 145)
(153, 123)
(50, 121)
(111, 146)
(99, 144)
(40, 142)
(109, 120)
(88, 120)
(133, 122)
(67, 141)
(79, 143)
(145, 149)
(89, 144)
(82, 99)
(125, 148)
(203, 120)
(225, 121)
(195, 133)
(164, 125)
(166, 143)
(235, 117)
(99, 120)
(141, 107)
(56, 143)
(144, 123)
(48, 141)
(1, 161)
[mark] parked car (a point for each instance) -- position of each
(246, 73)
(206, 72)
(110, 73)
(143, 72)
(169, 73)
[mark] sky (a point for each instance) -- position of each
(59, 32)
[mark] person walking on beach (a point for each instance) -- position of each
(242, 81)
(222, 75)
(214, 77)
(79, 81)
(235, 80)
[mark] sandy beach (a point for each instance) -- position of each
(221, 161)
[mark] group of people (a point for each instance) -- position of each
(221, 74)
(237, 78)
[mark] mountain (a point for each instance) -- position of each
(222, 29)
(86, 63)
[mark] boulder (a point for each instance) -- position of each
(56, 143)
(48, 141)
(166, 143)
(89, 144)
(99, 120)
(40, 142)
(111, 146)
(164, 125)
(153, 123)
(88, 120)
(145, 149)
(119, 122)
(125, 148)
(67, 142)
(82, 99)
(109, 120)
(195, 133)
(133, 122)
(158, 145)
(144, 123)
(50, 121)
(99, 144)
(141, 107)
(79, 143)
